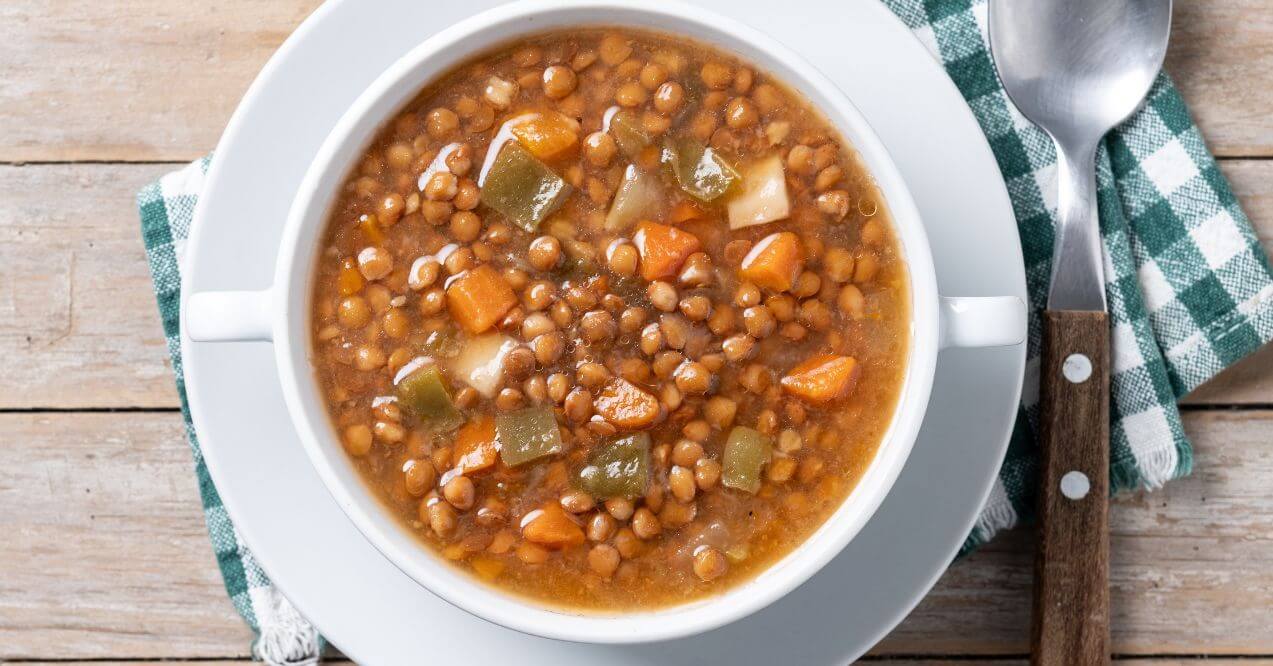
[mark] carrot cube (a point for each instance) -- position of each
(822, 378)
(476, 446)
(625, 405)
(774, 263)
(546, 135)
(478, 298)
(663, 249)
(686, 210)
(549, 526)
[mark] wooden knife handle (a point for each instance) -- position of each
(1071, 567)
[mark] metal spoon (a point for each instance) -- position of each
(1076, 68)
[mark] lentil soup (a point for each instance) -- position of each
(610, 319)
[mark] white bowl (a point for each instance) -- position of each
(282, 314)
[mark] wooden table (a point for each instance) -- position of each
(104, 554)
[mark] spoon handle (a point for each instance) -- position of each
(1071, 572)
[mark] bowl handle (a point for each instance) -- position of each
(982, 321)
(230, 316)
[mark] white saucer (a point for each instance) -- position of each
(377, 615)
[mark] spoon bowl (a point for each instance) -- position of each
(1077, 68)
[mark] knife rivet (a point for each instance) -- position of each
(1075, 485)
(1077, 368)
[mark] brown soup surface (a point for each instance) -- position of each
(610, 319)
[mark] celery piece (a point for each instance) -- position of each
(619, 467)
(527, 434)
(625, 127)
(424, 395)
(700, 171)
(522, 188)
(746, 452)
(444, 343)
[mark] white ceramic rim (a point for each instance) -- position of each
(297, 253)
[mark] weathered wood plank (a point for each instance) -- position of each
(76, 302)
(111, 556)
(141, 80)
(1191, 568)
(113, 494)
(1219, 56)
(154, 80)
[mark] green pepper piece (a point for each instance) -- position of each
(627, 131)
(618, 468)
(746, 452)
(527, 434)
(423, 394)
(700, 171)
(522, 188)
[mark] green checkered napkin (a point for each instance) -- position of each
(1189, 289)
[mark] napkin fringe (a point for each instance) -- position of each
(286, 638)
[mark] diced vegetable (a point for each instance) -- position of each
(618, 468)
(746, 453)
(528, 434)
(349, 280)
(822, 378)
(424, 395)
(369, 225)
(443, 343)
(625, 126)
(547, 135)
(476, 446)
(522, 188)
(479, 297)
(552, 527)
(700, 171)
(663, 249)
(481, 362)
(686, 210)
(774, 262)
(763, 196)
(625, 406)
(487, 568)
(640, 196)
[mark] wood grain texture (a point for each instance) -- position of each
(111, 558)
(67, 97)
(111, 555)
(1191, 565)
(76, 301)
(128, 81)
(1219, 57)
(1070, 622)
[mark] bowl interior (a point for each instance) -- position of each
(398, 86)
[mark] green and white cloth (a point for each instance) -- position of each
(1189, 288)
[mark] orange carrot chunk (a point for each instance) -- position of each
(476, 446)
(822, 378)
(625, 405)
(663, 249)
(549, 526)
(547, 135)
(478, 298)
(685, 211)
(774, 262)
